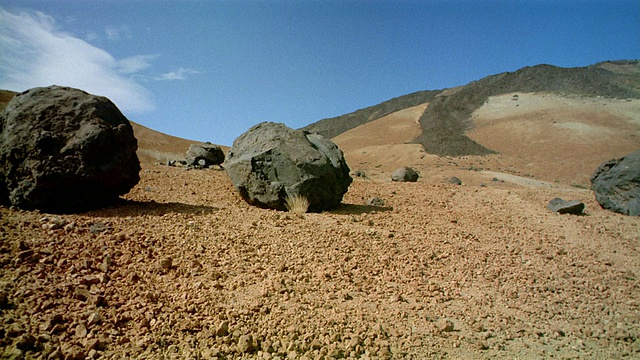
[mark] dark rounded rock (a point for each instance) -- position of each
(405, 174)
(204, 155)
(271, 161)
(64, 150)
(616, 184)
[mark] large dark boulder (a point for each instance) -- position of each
(616, 184)
(64, 150)
(204, 155)
(271, 161)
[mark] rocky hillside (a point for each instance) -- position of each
(446, 120)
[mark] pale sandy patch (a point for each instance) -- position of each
(396, 128)
(558, 138)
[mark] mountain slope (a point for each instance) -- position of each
(332, 127)
(552, 136)
(447, 119)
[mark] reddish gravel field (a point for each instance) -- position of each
(184, 269)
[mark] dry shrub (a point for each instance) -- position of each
(296, 204)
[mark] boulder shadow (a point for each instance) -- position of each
(354, 209)
(125, 208)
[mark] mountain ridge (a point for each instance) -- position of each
(446, 119)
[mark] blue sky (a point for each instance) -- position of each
(209, 70)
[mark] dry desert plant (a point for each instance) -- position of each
(296, 204)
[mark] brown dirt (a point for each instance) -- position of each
(183, 255)
(184, 269)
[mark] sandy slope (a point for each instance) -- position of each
(383, 145)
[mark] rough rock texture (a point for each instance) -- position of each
(405, 174)
(561, 206)
(271, 161)
(64, 150)
(204, 155)
(616, 184)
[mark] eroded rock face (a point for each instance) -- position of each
(271, 161)
(64, 150)
(616, 184)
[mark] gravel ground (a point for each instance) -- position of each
(184, 269)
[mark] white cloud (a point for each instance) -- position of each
(135, 63)
(36, 53)
(116, 33)
(179, 74)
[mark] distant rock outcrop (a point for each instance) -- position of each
(64, 150)
(270, 162)
(405, 173)
(204, 155)
(616, 184)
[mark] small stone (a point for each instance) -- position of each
(405, 174)
(57, 328)
(26, 342)
(455, 181)
(444, 325)
(166, 263)
(81, 331)
(375, 201)
(223, 329)
(94, 319)
(97, 344)
(89, 280)
(97, 228)
(81, 293)
(565, 207)
(70, 227)
(210, 354)
(245, 344)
